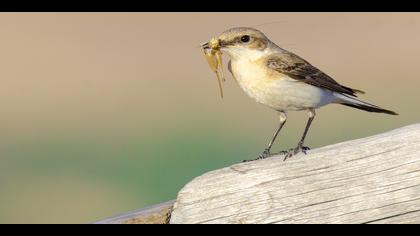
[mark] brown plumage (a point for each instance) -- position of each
(301, 70)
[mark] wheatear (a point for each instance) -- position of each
(282, 80)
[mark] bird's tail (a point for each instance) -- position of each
(356, 103)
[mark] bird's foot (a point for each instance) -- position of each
(281, 153)
(296, 150)
(266, 153)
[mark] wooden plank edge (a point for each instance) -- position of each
(156, 214)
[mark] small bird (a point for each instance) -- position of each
(282, 80)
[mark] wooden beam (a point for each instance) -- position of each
(369, 180)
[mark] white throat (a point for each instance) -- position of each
(240, 53)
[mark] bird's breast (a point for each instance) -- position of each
(256, 80)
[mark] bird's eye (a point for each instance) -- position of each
(245, 38)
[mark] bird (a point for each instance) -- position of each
(282, 80)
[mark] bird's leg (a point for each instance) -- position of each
(266, 153)
(300, 147)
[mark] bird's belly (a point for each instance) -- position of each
(279, 91)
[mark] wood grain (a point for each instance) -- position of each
(369, 180)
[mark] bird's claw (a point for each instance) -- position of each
(289, 153)
(281, 153)
(266, 153)
(296, 150)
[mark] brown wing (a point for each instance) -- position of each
(297, 68)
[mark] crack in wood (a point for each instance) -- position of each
(389, 217)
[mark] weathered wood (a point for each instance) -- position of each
(157, 214)
(370, 180)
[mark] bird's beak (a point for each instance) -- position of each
(214, 44)
(205, 45)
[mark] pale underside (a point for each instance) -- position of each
(276, 90)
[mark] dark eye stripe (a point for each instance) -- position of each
(236, 40)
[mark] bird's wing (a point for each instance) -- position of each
(297, 68)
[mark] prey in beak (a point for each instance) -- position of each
(213, 55)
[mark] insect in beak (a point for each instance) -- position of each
(213, 56)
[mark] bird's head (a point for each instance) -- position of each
(239, 41)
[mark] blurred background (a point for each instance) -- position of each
(103, 113)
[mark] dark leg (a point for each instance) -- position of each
(266, 153)
(300, 147)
